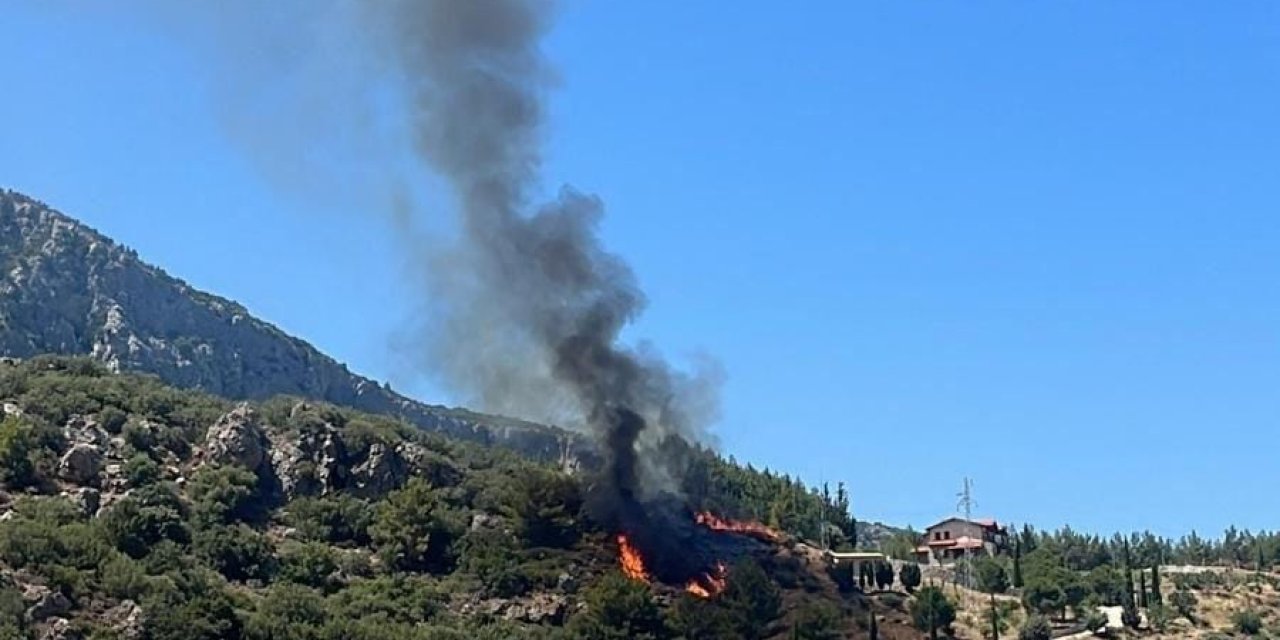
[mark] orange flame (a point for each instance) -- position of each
(708, 585)
(716, 523)
(632, 563)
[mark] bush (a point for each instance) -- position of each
(1247, 621)
(122, 578)
(491, 557)
(932, 611)
(16, 445)
(237, 552)
(817, 621)
(1095, 620)
(992, 577)
(143, 519)
(335, 520)
(222, 495)
(547, 507)
(753, 598)
(1044, 597)
(413, 530)
(618, 608)
(909, 576)
(1035, 628)
(288, 612)
(312, 564)
(1184, 602)
(141, 470)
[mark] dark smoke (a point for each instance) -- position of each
(524, 307)
(530, 305)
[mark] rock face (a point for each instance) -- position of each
(237, 439)
(44, 602)
(80, 464)
(66, 289)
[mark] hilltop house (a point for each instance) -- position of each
(951, 538)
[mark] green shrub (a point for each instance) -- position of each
(16, 445)
(146, 517)
(335, 519)
(224, 494)
(817, 621)
(141, 470)
(1036, 627)
(931, 611)
(236, 551)
(618, 608)
(909, 576)
(312, 564)
(1247, 621)
(414, 530)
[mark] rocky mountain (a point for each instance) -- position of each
(67, 289)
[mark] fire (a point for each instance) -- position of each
(711, 582)
(632, 563)
(716, 523)
(708, 585)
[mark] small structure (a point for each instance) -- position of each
(954, 537)
(855, 560)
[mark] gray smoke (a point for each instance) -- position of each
(523, 306)
(530, 304)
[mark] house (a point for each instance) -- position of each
(954, 537)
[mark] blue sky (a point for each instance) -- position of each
(1031, 243)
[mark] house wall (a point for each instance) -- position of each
(956, 528)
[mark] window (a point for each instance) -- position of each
(946, 535)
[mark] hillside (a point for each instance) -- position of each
(131, 509)
(66, 289)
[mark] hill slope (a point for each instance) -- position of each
(67, 289)
(129, 509)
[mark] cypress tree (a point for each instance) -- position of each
(1142, 589)
(1017, 564)
(1156, 596)
(872, 627)
(995, 619)
(1130, 615)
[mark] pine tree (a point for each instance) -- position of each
(1017, 563)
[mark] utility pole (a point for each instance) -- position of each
(966, 505)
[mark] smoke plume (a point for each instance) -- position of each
(523, 306)
(529, 305)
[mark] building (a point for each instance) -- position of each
(954, 537)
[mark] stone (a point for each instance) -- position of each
(540, 608)
(126, 619)
(485, 521)
(308, 463)
(44, 602)
(58, 629)
(81, 464)
(237, 438)
(86, 499)
(79, 429)
(382, 471)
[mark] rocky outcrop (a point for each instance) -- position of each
(80, 464)
(66, 289)
(126, 620)
(237, 438)
(43, 602)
